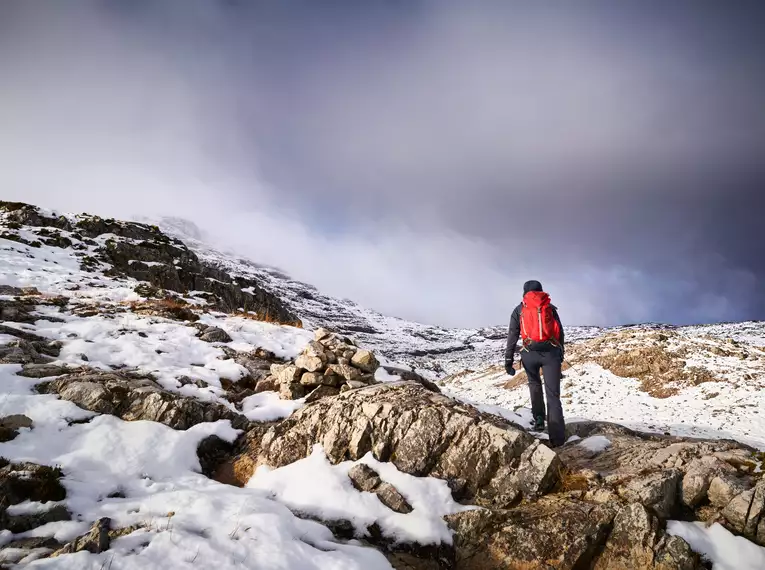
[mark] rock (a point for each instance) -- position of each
(96, 541)
(539, 470)
(411, 376)
(215, 334)
(340, 373)
(391, 498)
(744, 513)
(422, 433)
(698, 478)
(292, 391)
(23, 523)
(286, 373)
(312, 379)
(312, 358)
(16, 550)
(15, 421)
(353, 384)
(310, 363)
(321, 334)
(212, 451)
(633, 544)
(553, 532)
(365, 360)
(21, 482)
(267, 384)
(658, 491)
(21, 352)
(137, 399)
(364, 478)
(321, 392)
(724, 488)
(43, 370)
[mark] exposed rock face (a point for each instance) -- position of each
(716, 478)
(137, 399)
(365, 360)
(43, 370)
(637, 543)
(420, 432)
(551, 533)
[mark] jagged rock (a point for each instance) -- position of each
(43, 370)
(658, 491)
(15, 421)
(365, 360)
(364, 478)
(137, 399)
(538, 471)
(96, 541)
(21, 482)
(215, 334)
(724, 488)
(321, 392)
(18, 291)
(699, 476)
(23, 523)
(553, 532)
(744, 514)
(636, 543)
(422, 433)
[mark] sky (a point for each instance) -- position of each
(423, 158)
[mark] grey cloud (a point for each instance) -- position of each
(452, 150)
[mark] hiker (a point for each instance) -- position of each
(537, 322)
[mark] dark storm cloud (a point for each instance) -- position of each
(452, 150)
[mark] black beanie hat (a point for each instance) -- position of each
(532, 286)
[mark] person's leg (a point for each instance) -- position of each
(556, 425)
(531, 365)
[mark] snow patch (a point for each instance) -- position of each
(718, 545)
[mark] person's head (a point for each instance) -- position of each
(532, 286)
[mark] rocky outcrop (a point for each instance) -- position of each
(364, 478)
(10, 425)
(482, 457)
(137, 399)
(144, 253)
(20, 482)
(96, 541)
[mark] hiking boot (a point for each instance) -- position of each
(539, 423)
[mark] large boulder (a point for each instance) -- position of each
(553, 532)
(137, 399)
(483, 457)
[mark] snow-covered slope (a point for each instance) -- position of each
(430, 348)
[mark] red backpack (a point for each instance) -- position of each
(538, 324)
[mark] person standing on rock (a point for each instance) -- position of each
(537, 323)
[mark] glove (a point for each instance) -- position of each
(509, 367)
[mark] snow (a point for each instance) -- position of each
(595, 443)
(715, 543)
(316, 487)
(267, 407)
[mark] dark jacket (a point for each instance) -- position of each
(514, 332)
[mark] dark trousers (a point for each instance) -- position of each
(549, 363)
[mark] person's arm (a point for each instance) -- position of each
(513, 332)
